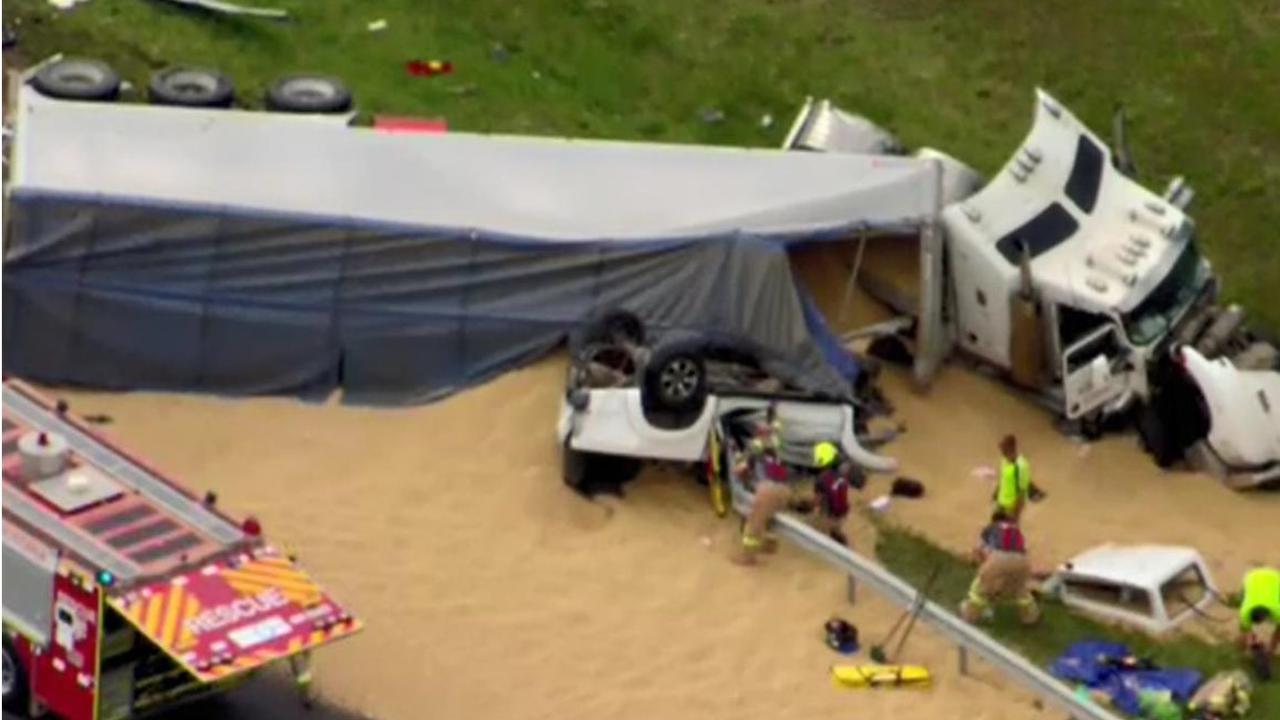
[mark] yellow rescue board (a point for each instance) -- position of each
(864, 676)
(716, 479)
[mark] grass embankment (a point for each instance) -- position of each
(1198, 76)
(914, 558)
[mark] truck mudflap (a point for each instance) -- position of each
(236, 614)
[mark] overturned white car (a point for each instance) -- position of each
(626, 402)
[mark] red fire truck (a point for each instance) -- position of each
(124, 593)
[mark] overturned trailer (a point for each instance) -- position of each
(245, 252)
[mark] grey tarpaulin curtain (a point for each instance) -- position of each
(129, 296)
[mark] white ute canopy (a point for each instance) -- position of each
(1152, 587)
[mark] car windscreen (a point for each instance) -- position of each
(1053, 226)
(1086, 175)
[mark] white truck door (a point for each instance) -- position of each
(1089, 379)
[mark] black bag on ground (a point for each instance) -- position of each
(907, 487)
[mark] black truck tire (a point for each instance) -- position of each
(78, 79)
(191, 87)
(1156, 437)
(308, 94)
(15, 681)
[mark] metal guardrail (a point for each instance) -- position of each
(966, 637)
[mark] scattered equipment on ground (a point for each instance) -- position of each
(877, 651)
(872, 676)
(842, 636)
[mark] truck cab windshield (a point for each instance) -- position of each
(1155, 315)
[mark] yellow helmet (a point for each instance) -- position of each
(825, 454)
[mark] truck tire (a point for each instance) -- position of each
(891, 349)
(191, 87)
(675, 379)
(1156, 438)
(308, 94)
(78, 79)
(15, 681)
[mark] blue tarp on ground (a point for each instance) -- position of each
(1088, 663)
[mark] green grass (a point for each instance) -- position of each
(1199, 77)
(914, 558)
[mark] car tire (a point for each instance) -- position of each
(1091, 426)
(15, 681)
(602, 328)
(191, 87)
(308, 94)
(78, 79)
(675, 379)
(574, 467)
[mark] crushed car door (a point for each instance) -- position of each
(1089, 377)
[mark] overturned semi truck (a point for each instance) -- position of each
(1078, 284)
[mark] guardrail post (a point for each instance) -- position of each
(963, 654)
(851, 589)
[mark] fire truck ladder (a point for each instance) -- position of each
(966, 637)
(121, 469)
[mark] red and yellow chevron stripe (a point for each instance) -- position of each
(164, 616)
(271, 572)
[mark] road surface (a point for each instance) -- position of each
(267, 697)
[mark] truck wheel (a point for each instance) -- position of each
(75, 79)
(191, 87)
(14, 681)
(675, 379)
(1155, 436)
(308, 94)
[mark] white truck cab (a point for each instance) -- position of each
(1101, 269)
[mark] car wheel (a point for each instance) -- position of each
(191, 87)
(76, 79)
(574, 467)
(1091, 426)
(308, 94)
(676, 382)
(607, 327)
(14, 681)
